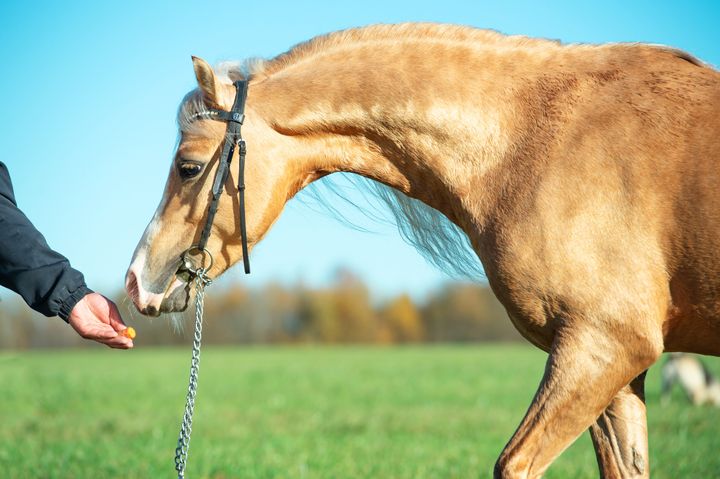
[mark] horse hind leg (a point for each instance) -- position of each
(586, 369)
(620, 434)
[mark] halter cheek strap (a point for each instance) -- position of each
(233, 139)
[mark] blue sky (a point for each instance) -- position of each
(90, 91)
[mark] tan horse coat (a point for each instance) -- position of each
(586, 178)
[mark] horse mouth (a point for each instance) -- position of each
(177, 296)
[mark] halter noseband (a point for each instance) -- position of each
(233, 137)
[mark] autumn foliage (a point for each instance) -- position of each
(344, 312)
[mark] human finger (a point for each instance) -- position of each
(119, 342)
(96, 330)
(114, 317)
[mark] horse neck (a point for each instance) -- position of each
(433, 129)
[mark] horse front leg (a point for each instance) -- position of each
(620, 434)
(587, 367)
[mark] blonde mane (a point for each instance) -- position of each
(260, 69)
(425, 32)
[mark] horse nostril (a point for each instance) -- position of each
(152, 311)
(131, 286)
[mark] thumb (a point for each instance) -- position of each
(114, 317)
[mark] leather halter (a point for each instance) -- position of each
(233, 138)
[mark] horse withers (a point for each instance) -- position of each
(584, 177)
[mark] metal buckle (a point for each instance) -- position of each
(187, 262)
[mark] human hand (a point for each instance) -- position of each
(96, 317)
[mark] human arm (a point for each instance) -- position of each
(44, 277)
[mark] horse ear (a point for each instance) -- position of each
(206, 79)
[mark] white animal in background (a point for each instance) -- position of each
(695, 379)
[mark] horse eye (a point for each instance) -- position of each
(189, 169)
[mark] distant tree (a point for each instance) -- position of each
(341, 313)
(359, 321)
(467, 312)
(402, 320)
(318, 317)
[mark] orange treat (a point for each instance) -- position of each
(128, 332)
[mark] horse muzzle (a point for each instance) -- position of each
(150, 300)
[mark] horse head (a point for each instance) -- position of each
(155, 279)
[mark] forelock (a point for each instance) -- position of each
(192, 109)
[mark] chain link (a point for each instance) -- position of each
(183, 444)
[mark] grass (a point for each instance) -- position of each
(420, 412)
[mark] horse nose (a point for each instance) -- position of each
(131, 285)
(145, 302)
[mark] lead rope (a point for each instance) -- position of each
(183, 443)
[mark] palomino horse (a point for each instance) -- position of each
(584, 176)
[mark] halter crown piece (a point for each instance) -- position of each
(233, 138)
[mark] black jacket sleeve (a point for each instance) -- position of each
(43, 277)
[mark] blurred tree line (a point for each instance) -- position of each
(341, 313)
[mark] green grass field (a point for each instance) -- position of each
(420, 412)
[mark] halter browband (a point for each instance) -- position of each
(233, 137)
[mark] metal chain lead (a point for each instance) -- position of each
(183, 444)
